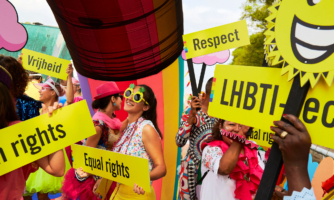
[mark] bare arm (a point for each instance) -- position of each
(93, 140)
(53, 164)
(229, 159)
(69, 90)
(152, 144)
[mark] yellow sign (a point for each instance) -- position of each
(253, 96)
(44, 64)
(216, 39)
(300, 34)
(318, 114)
(33, 139)
(262, 137)
(103, 188)
(256, 97)
(118, 167)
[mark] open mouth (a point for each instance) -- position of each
(311, 43)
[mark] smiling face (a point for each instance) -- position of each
(132, 107)
(230, 127)
(46, 94)
(301, 33)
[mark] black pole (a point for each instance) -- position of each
(273, 167)
(192, 77)
(201, 77)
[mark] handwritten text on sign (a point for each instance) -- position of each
(216, 39)
(33, 139)
(44, 64)
(256, 96)
(118, 167)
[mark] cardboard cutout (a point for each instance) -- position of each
(13, 36)
(300, 35)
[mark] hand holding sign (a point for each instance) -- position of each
(44, 64)
(295, 148)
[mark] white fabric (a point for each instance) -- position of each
(305, 194)
(215, 186)
(53, 87)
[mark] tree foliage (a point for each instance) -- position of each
(255, 11)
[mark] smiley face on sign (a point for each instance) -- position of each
(301, 36)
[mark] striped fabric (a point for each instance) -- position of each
(120, 40)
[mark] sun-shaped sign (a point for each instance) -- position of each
(301, 36)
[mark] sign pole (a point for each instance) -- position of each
(201, 77)
(273, 167)
(192, 77)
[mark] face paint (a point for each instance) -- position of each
(138, 96)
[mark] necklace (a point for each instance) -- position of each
(128, 137)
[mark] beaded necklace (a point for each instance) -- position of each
(128, 137)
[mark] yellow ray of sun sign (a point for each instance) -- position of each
(33, 139)
(118, 167)
(256, 96)
(216, 39)
(44, 64)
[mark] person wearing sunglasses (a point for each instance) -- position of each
(79, 184)
(41, 182)
(141, 138)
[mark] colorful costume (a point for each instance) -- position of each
(27, 107)
(131, 143)
(243, 181)
(74, 186)
(196, 134)
(42, 182)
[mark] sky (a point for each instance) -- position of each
(198, 15)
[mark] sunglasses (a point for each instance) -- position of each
(138, 96)
(44, 88)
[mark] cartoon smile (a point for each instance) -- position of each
(311, 43)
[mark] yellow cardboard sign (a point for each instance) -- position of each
(103, 188)
(256, 96)
(35, 138)
(318, 114)
(44, 64)
(253, 96)
(118, 167)
(299, 32)
(216, 39)
(261, 137)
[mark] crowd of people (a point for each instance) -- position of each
(214, 167)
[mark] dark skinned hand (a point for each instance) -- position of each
(295, 149)
(296, 145)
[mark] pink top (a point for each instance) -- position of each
(12, 184)
(77, 99)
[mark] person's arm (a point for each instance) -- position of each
(69, 88)
(189, 118)
(93, 140)
(152, 144)
(53, 164)
(230, 159)
(295, 148)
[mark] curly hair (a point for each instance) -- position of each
(19, 74)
